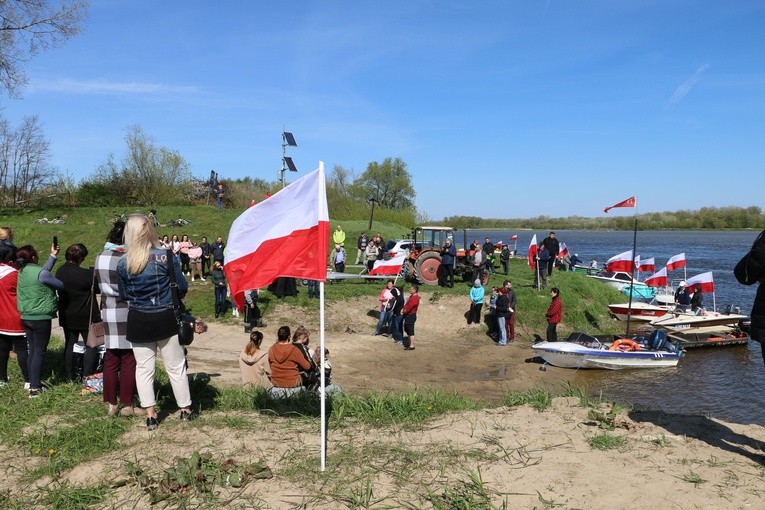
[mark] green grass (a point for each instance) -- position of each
(585, 301)
(607, 441)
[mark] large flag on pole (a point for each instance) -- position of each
(622, 262)
(658, 279)
(704, 280)
(533, 253)
(286, 235)
(676, 262)
(563, 251)
(630, 202)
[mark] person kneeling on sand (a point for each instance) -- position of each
(285, 360)
(253, 363)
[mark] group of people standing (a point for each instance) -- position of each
(397, 314)
(132, 276)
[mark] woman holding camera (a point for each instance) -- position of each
(144, 282)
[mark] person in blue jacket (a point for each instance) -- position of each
(446, 271)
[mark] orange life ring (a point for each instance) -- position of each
(624, 345)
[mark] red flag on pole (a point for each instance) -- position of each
(630, 202)
(533, 253)
(676, 262)
(622, 262)
(286, 235)
(514, 238)
(647, 265)
(704, 280)
(658, 279)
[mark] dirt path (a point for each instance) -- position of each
(447, 356)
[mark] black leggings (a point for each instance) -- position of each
(185, 263)
(79, 365)
(38, 336)
(19, 345)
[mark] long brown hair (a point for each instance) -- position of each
(256, 338)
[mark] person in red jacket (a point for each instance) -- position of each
(554, 315)
(12, 336)
(410, 316)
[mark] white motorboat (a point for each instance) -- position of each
(581, 350)
(706, 322)
(639, 311)
(621, 280)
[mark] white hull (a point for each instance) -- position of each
(639, 311)
(689, 323)
(573, 355)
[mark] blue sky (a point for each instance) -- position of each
(500, 109)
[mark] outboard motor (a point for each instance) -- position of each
(744, 325)
(658, 340)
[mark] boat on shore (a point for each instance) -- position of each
(581, 350)
(619, 280)
(639, 311)
(708, 322)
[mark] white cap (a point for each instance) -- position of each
(682, 283)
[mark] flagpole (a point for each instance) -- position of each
(632, 271)
(322, 388)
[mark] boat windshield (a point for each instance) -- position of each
(584, 340)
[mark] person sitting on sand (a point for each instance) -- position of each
(253, 363)
(285, 360)
(301, 339)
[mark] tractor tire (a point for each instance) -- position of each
(426, 268)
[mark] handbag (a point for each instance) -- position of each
(96, 331)
(185, 321)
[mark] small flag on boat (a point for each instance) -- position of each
(514, 238)
(630, 202)
(676, 262)
(533, 253)
(622, 262)
(647, 265)
(704, 280)
(658, 279)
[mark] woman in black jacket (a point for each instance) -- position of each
(76, 307)
(751, 270)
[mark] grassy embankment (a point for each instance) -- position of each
(39, 434)
(585, 301)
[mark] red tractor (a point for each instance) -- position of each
(424, 258)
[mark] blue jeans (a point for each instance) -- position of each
(313, 288)
(502, 330)
(395, 325)
(381, 322)
(220, 300)
(38, 336)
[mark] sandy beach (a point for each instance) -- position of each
(516, 456)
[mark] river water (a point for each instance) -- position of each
(724, 382)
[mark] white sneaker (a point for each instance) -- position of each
(202, 279)
(26, 386)
(192, 278)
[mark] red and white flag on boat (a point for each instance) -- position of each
(622, 262)
(676, 262)
(563, 251)
(658, 279)
(647, 265)
(630, 202)
(533, 253)
(514, 238)
(705, 280)
(390, 267)
(286, 235)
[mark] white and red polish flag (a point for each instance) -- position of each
(390, 267)
(622, 262)
(630, 202)
(563, 250)
(514, 238)
(533, 253)
(286, 235)
(658, 279)
(705, 280)
(647, 265)
(676, 262)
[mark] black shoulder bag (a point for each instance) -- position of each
(185, 321)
